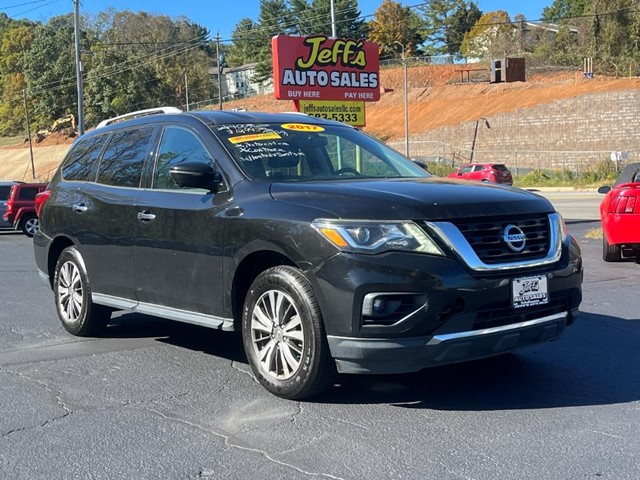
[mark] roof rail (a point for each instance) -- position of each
(138, 113)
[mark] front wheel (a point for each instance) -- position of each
(284, 337)
(30, 225)
(72, 291)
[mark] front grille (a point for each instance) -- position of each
(485, 237)
(501, 316)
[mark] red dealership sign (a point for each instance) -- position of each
(323, 68)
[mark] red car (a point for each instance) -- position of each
(484, 172)
(21, 207)
(620, 214)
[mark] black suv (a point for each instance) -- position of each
(330, 251)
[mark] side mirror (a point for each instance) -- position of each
(195, 175)
(604, 189)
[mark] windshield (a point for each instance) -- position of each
(306, 152)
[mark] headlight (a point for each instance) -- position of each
(360, 236)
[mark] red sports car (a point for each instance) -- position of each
(620, 214)
(484, 172)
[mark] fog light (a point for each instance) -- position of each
(379, 304)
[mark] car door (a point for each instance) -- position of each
(104, 213)
(179, 232)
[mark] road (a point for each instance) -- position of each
(160, 400)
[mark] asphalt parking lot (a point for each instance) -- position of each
(154, 399)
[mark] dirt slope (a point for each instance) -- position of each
(436, 98)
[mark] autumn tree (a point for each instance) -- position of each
(393, 23)
(15, 39)
(490, 37)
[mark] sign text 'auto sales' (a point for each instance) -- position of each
(322, 68)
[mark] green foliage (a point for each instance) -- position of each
(446, 22)
(313, 17)
(394, 23)
(597, 174)
(561, 9)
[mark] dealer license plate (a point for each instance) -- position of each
(530, 291)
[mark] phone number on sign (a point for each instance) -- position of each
(340, 117)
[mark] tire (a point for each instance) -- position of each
(72, 292)
(610, 253)
(30, 225)
(284, 336)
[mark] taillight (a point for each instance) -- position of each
(9, 207)
(41, 198)
(625, 205)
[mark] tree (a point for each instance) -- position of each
(459, 24)
(246, 43)
(14, 41)
(275, 19)
(314, 18)
(561, 9)
(393, 23)
(490, 37)
(50, 70)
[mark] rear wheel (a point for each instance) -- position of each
(72, 291)
(610, 253)
(284, 337)
(30, 225)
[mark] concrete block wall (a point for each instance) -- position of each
(568, 133)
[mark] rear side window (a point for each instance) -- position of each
(178, 145)
(28, 193)
(81, 162)
(124, 156)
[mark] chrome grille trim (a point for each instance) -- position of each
(455, 240)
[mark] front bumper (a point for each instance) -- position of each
(403, 355)
(464, 315)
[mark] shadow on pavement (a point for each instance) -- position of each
(594, 363)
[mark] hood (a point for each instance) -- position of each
(411, 198)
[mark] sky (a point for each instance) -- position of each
(222, 15)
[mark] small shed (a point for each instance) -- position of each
(508, 70)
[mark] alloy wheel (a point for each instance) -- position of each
(277, 334)
(70, 292)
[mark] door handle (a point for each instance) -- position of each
(146, 216)
(79, 207)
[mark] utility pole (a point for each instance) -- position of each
(76, 28)
(406, 99)
(333, 20)
(219, 70)
(186, 89)
(26, 114)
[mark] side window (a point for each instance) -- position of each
(80, 164)
(123, 159)
(178, 145)
(467, 169)
(28, 193)
(478, 168)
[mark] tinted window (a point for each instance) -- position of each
(123, 159)
(28, 193)
(178, 145)
(81, 162)
(499, 167)
(4, 192)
